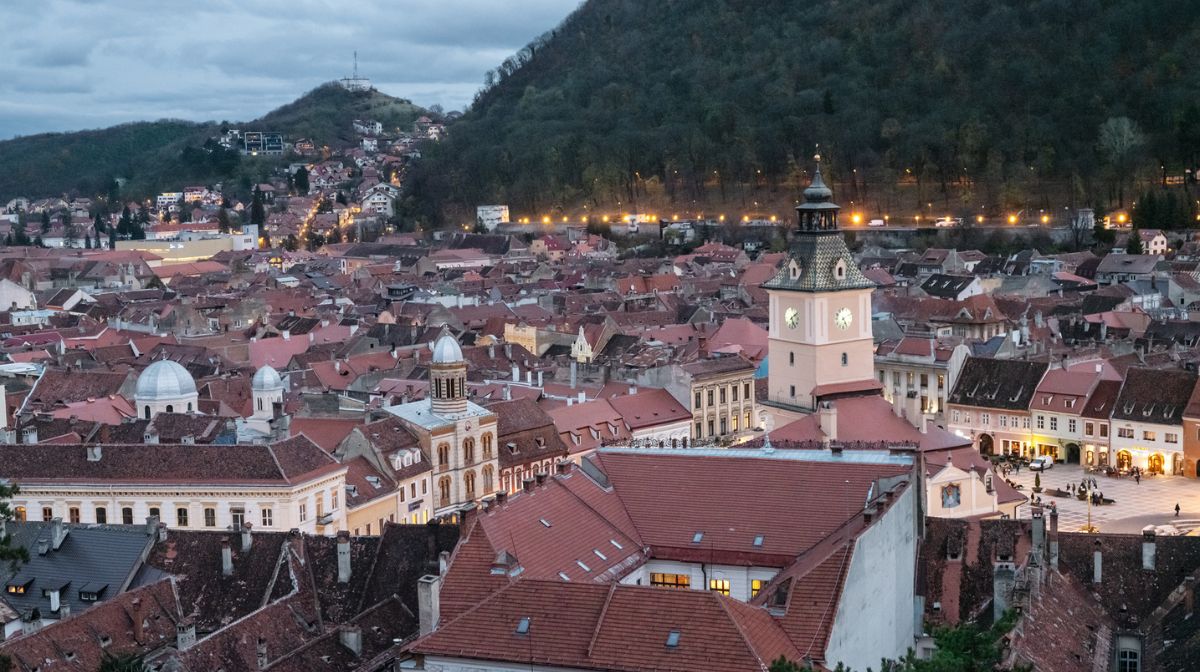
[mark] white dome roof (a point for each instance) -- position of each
(446, 350)
(266, 378)
(164, 379)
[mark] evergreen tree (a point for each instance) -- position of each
(257, 213)
(8, 239)
(341, 198)
(112, 238)
(37, 242)
(98, 222)
(1134, 246)
(45, 221)
(301, 180)
(125, 224)
(9, 554)
(223, 219)
(87, 242)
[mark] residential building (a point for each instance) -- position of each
(1147, 420)
(720, 392)
(654, 417)
(1057, 410)
(279, 486)
(924, 365)
(990, 405)
(953, 287)
(529, 444)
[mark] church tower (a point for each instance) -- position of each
(820, 342)
(448, 377)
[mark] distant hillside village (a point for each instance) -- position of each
(321, 196)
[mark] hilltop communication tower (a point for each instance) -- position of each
(354, 82)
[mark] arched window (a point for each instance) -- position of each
(170, 408)
(444, 491)
(468, 451)
(260, 403)
(518, 479)
(469, 484)
(443, 454)
(489, 477)
(845, 359)
(487, 446)
(147, 412)
(189, 407)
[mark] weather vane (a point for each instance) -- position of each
(817, 156)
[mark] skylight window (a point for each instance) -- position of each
(672, 639)
(758, 541)
(563, 576)
(583, 566)
(697, 537)
(599, 554)
(523, 626)
(544, 522)
(615, 544)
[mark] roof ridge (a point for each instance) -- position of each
(735, 619)
(600, 621)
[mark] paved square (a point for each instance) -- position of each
(1151, 502)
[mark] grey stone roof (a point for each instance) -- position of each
(96, 556)
(817, 255)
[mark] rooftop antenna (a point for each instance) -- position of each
(356, 64)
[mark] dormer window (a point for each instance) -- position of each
(794, 270)
(839, 271)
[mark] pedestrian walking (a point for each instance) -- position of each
(1137, 478)
(1176, 509)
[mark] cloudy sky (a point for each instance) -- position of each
(74, 64)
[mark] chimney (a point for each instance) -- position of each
(94, 453)
(287, 334)
(312, 337)
(443, 562)
(29, 435)
(507, 392)
(869, 513)
(529, 378)
(827, 418)
(226, 558)
(351, 638)
(151, 526)
(508, 350)
(260, 653)
(926, 423)
(516, 374)
(501, 497)
(633, 389)
(1004, 577)
(185, 634)
(465, 516)
(138, 617)
(1054, 538)
(912, 408)
(58, 533)
(1097, 563)
(574, 373)
(1039, 532)
(582, 398)
(564, 467)
(1099, 367)
(188, 439)
(343, 556)
(151, 436)
(64, 611)
(492, 351)
(540, 477)
(3, 407)
(1148, 548)
(428, 602)
(539, 385)
(55, 600)
(247, 539)
(527, 485)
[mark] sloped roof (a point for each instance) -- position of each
(817, 256)
(997, 383)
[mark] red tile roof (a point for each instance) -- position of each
(612, 627)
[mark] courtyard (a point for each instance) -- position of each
(1135, 505)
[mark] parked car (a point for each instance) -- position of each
(948, 222)
(1041, 463)
(876, 222)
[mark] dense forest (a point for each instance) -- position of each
(971, 105)
(167, 154)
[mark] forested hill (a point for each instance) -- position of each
(989, 100)
(165, 154)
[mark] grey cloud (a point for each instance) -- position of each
(109, 61)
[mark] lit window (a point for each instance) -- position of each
(719, 585)
(755, 586)
(670, 580)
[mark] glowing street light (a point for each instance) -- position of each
(1012, 219)
(856, 218)
(1045, 219)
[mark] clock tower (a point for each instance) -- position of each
(820, 343)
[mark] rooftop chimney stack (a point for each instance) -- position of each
(185, 634)
(260, 653)
(1148, 548)
(516, 374)
(226, 558)
(94, 453)
(343, 556)
(1039, 532)
(527, 485)
(428, 602)
(58, 533)
(247, 538)
(29, 435)
(827, 418)
(350, 637)
(1097, 564)
(1054, 538)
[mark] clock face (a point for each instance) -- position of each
(792, 317)
(843, 318)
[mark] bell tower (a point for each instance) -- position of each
(820, 344)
